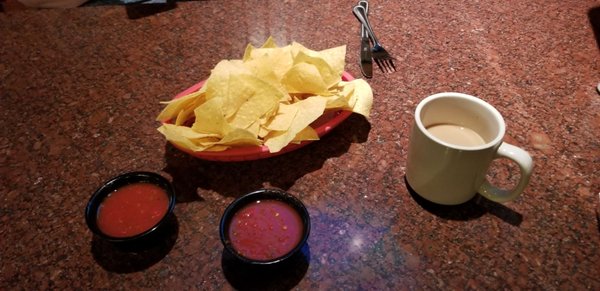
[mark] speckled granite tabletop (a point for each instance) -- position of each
(80, 89)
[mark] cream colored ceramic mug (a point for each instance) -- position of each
(454, 139)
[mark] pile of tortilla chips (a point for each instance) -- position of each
(270, 97)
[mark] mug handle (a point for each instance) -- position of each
(523, 159)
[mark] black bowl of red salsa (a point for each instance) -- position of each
(130, 206)
(265, 227)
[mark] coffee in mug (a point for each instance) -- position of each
(454, 139)
(456, 134)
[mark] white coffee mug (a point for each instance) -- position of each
(454, 139)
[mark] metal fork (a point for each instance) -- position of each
(384, 60)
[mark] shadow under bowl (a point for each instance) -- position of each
(260, 196)
(100, 195)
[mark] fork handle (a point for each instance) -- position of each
(361, 15)
(363, 30)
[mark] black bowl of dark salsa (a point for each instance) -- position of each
(130, 207)
(264, 227)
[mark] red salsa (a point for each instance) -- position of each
(132, 209)
(265, 230)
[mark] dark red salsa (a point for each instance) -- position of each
(265, 230)
(132, 209)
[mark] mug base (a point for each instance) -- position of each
(436, 198)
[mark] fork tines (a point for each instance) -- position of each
(386, 65)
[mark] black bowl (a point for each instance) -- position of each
(264, 194)
(91, 211)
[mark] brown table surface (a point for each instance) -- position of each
(80, 90)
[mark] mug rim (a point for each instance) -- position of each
(497, 116)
